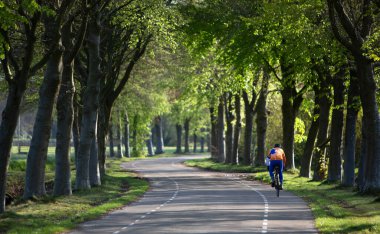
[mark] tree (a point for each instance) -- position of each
(353, 36)
(18, 65)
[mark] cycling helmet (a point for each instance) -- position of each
(277, 146)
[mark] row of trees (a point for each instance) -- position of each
(85, 52)
(320, 56)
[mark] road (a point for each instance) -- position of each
(188, 200)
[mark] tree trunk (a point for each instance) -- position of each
(202, 143)
(335, 160)
(213, 134)
(94, 163)
(248, 131)
(160, 139)
(135, 151)
(353, 104)
(126, 136)
(119, 138)
(110, 139)
(262, 122)
(36, 161)
(363, 153)
(90, 103)
(220, 132)
(371, 157)
(237, 129)
(357, 33)
(320, 160)
(229, 132)
(195, 143)
(76, 130)
(7, 129)
(291, 102)
(65, 117)
(306, 158)
(208, 142)
(179, 139)
(288, 122)
(187, 129)
(104, 128)
(149, 145)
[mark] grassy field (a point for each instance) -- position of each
(59, 214)
(335, 208)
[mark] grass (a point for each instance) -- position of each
(58, 214)
(336, 209)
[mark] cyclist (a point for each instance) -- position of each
(277, 158)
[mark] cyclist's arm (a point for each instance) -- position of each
(284, 159)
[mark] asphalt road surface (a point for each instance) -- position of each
(188, 200)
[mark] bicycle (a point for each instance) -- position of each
(277, 180)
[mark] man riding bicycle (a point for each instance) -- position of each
(277, 158)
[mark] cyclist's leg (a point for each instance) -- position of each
(280, 163)
(271, 169)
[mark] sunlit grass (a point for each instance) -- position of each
(336, 209)
(58, 214)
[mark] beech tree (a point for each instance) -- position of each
(19, 63)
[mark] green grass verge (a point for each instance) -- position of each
(59, 214)
(336, 209)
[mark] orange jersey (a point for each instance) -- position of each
(277, 154)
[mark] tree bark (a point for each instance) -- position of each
(248, 131)
(213, 134)
(335, 159)
(65, 110)
(76, 130)
(320, 159)
(187, 130)
(353, 105)
(220, 132)
(291, 102)
(179, 139)
(149, 145)
(90, 103)
(195, 139)
(110, 138)
(65, 117)
(262, 121)
(160, 139)
(307, 156)
(126, 136)
(36, 161)
(368, 89)
(202, 143)
(94, 163)
(135, 151)
(7, 129)
(237, 129)
(119, 138)
(229, 132)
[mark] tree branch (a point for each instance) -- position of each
(367, 19)
(137, 55)
(79, 39)
(347, 24)
(345, 42)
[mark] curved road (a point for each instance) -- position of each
(188, 200)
